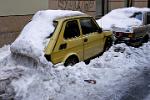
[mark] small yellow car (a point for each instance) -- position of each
(75, 39)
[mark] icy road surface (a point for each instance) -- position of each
(122, 73)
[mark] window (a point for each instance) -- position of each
(88, 26)
(148, 18)
(71, 30)
(137, 15)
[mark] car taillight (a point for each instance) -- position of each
(119, 34)
(130, 35)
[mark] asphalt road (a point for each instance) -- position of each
(141, 87)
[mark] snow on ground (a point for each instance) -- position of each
(121, 18)
(33, 36)
(112, 75)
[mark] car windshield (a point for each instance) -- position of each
(46, 41)
(137, 15)
(55, 23)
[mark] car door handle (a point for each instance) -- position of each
(63, 46)
(85, 40)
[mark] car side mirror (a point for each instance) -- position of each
(100, 30)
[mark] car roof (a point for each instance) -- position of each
(72, 17)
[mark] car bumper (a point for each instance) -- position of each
(131, 41)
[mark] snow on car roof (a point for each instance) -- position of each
(30, 41)
(121, 18)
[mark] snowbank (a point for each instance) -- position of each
(121, 18)
(114, 73)
(33, 36)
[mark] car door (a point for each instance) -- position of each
(69, 42)
(92, 39)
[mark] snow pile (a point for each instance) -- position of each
(4, 51)
(109, 76)
(32, 38)
(121, 18)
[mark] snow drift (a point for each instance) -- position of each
(114, 73)
(121, 18)
(32, 38)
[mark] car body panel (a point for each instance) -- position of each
(60, 48)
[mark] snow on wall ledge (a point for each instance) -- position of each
(30, 42)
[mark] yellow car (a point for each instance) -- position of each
(76, 39)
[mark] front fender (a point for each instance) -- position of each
(108, 33)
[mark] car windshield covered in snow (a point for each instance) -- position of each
(137, 15)
(55, 23)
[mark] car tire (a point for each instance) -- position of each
(87, 61)
(145, 39)
(108, 43)
(72, 60)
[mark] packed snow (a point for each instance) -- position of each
(121, 18)
(33, 36)
(113, 76)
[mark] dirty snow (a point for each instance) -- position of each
(32, 38)
(121, 18)
(115, 72)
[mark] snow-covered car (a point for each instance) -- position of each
(130, 25)
(62, 36)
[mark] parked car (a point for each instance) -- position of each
(135, 36)
(76, 38)
(129, 25)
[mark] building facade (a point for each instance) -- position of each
(104, 6)
(14, 14)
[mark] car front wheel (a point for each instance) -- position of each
(71, 61)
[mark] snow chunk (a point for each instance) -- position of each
(121, 18)
(32, 38)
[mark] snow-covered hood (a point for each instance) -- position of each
(32, 38)
(121, 18)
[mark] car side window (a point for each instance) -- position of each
(88, 26)
(71, 30)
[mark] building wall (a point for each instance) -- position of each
(141, 3)
(15, 14)
(21, 7)
(87, 6)
(113, 4)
